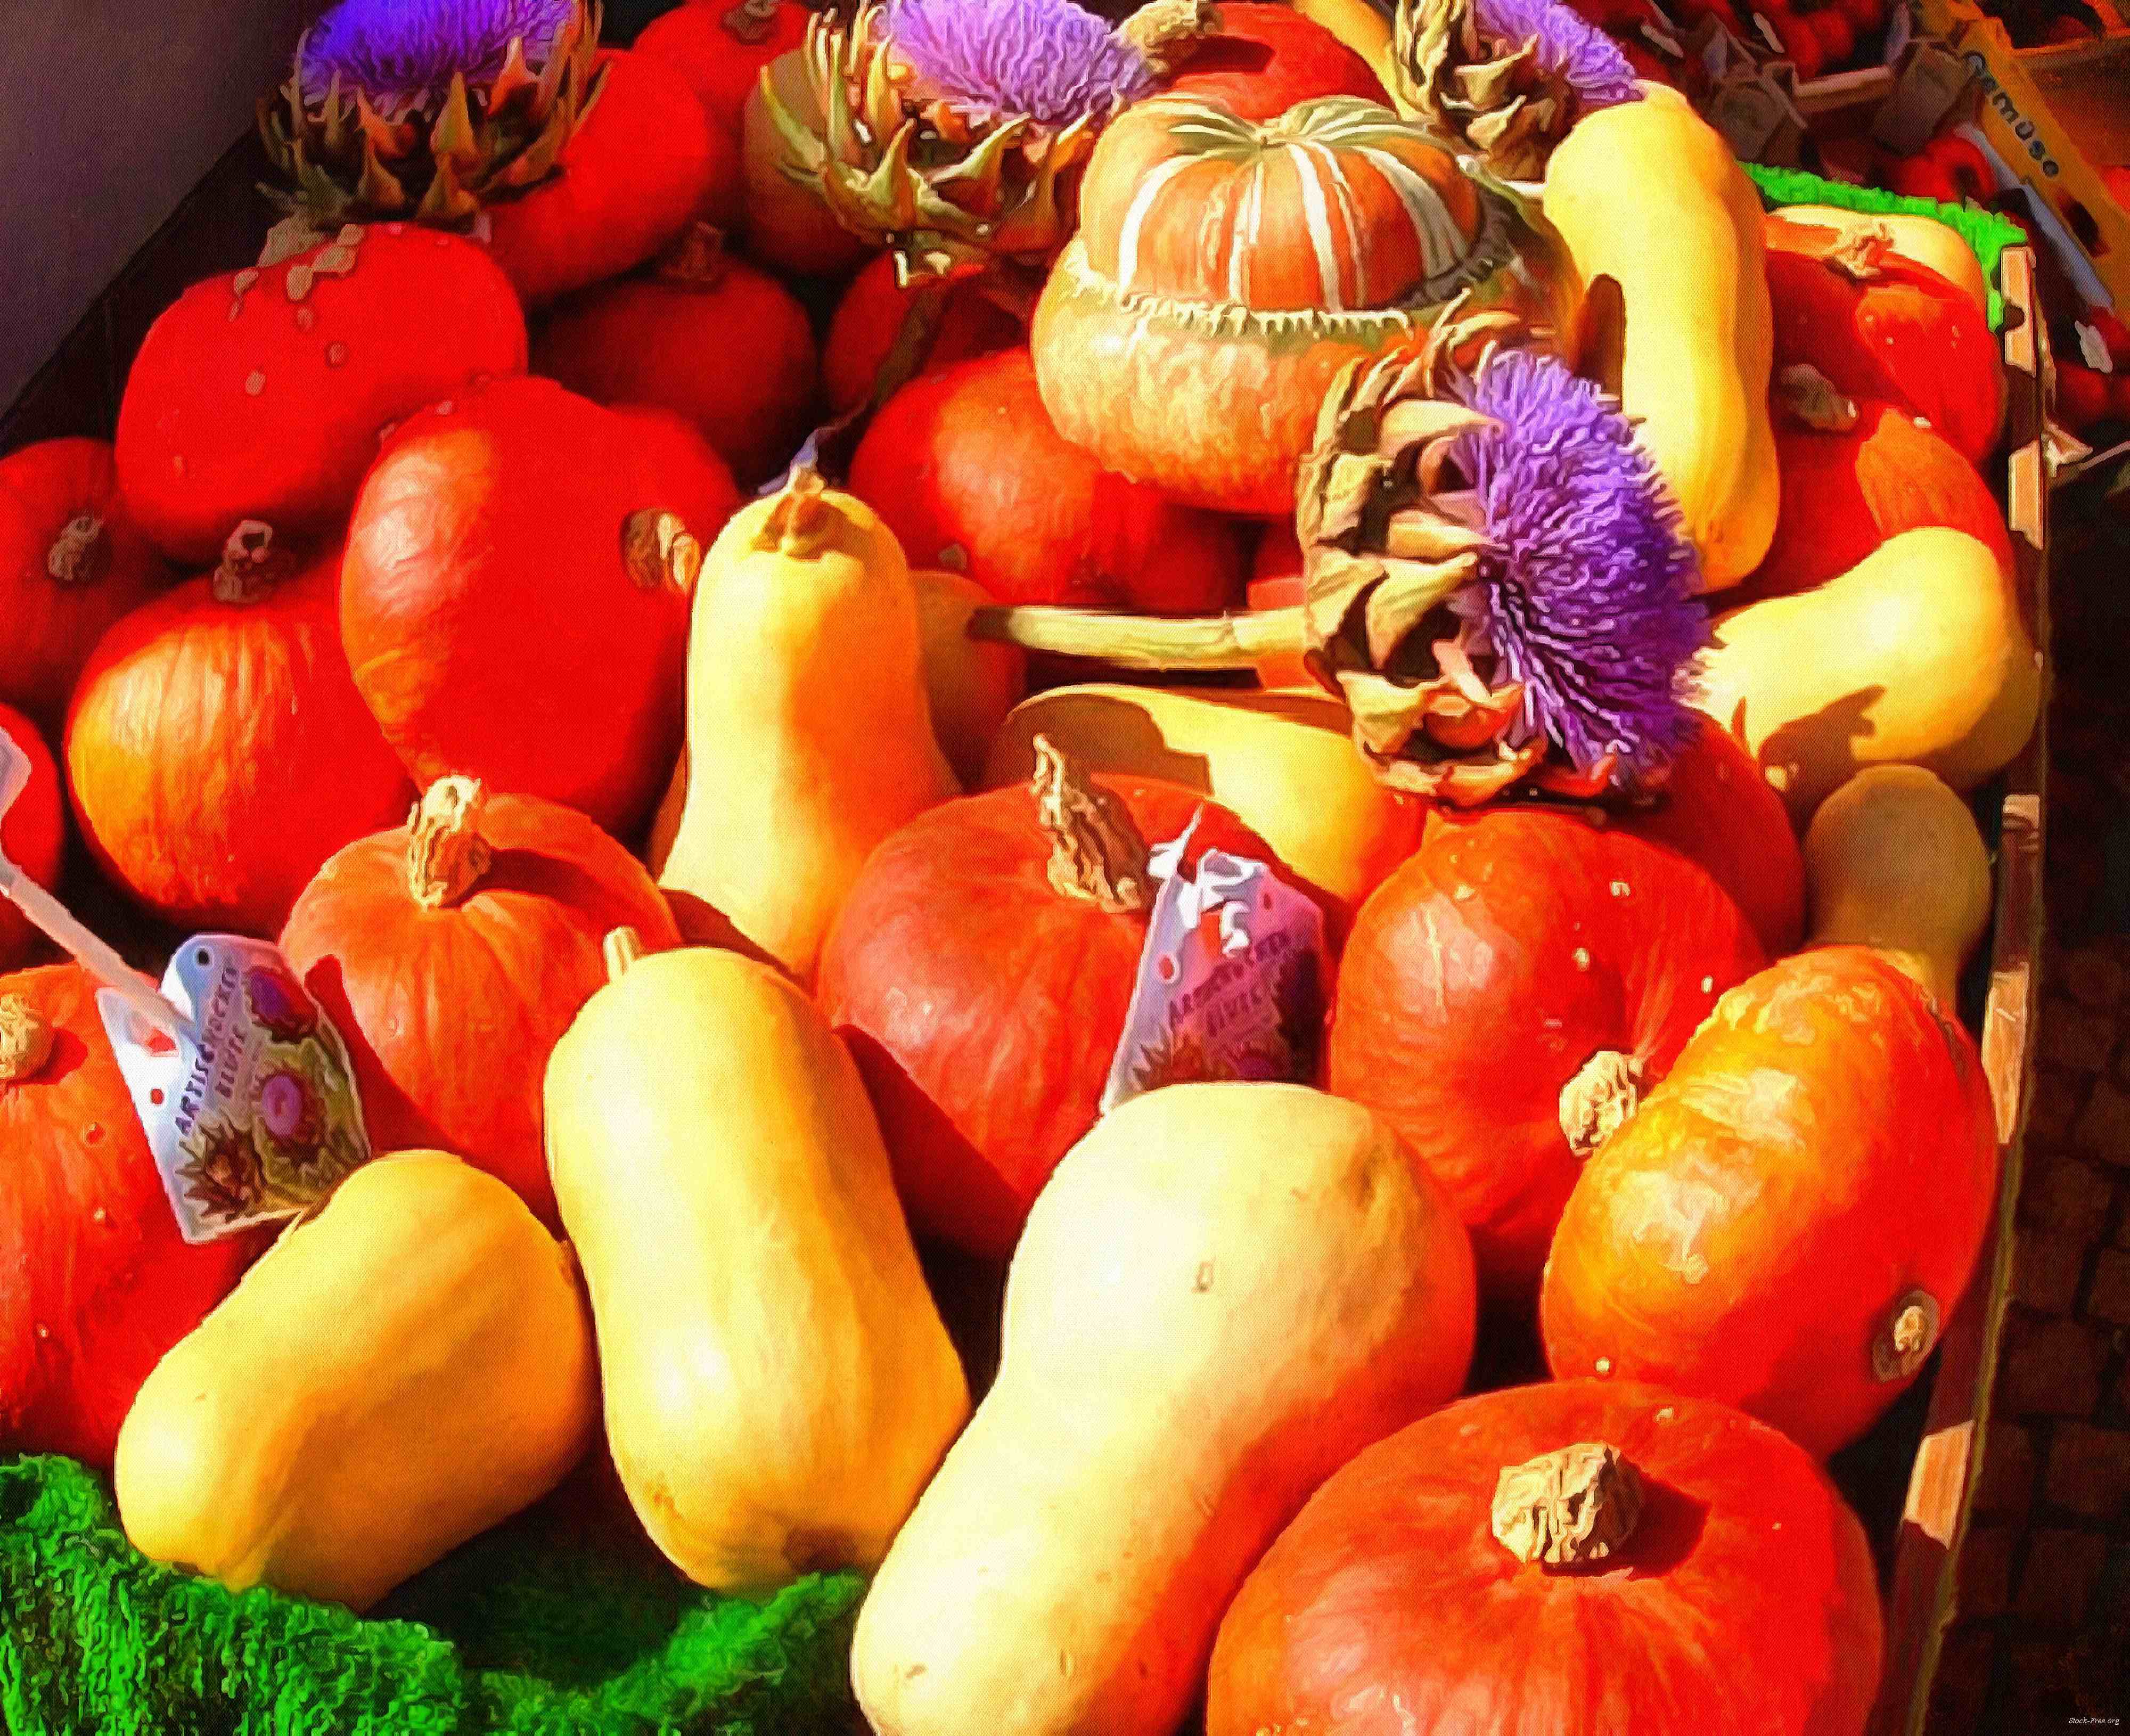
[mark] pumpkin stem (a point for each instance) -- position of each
(26, 1040)
(658, 549)
(1858, 254)
(251, 565)
(80, 554)
(752, 20)
(622, 948)
(800, 519)
(1144, 642)
(698, 260)
(1909, 1335)
(1097, 852)
(446, 853)
(1606, 1091)
(1815, 401)
(1167, 33)
(1569, 1508)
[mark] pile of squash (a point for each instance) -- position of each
(715, 923)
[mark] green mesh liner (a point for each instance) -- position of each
(529, 1628)
(1984, 231)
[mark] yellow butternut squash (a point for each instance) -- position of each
(1919, 655)
(1647, 194)
(778, 1383)
(396, 1374)
(1283, 762)
(1894, 860)
(1922, 239)
(1223, 1293)
(810, 737)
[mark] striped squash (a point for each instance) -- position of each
(1225, 270)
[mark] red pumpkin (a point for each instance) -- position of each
(1735, 1592)
(1792, 1215)
(1886, 327)
(1260, 59)
(72, 561)
(1847, 490)
(709, 337)
(259, 394)
(453, 952)
(1225, 271)
(514, 602)
(33, 833)
(642, 165)
(1277, 581)
(1511, 989)
(720, 47)
(218, 750)
(1716, 809)
(983, 1003)
(969, 474)
(98, 1283)
(870, 315)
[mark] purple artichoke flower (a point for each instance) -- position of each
(401, 54)
(1590, 601)
(994, 59)
(1568, 46)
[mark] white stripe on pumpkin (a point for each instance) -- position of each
(1316, 211)
(1143, 199)
(1355, 233)
(1442, 243)
(1243, 241)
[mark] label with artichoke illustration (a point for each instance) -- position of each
(1231, 978)
(251, 1111)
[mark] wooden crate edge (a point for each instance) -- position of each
(1949, 1461)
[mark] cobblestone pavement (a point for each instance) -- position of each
(2043, 1639)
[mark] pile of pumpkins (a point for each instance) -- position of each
(712, 920)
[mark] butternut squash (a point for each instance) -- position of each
(970, 686)
(1919, 655)
(1894, 861)
(1922, 239)
(396, 1374)
(1224, 1292)
(778, 1383)
(1647, 194)
(1283, 762)
(810, 737)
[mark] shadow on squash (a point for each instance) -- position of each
(702, 923)
(1809, 758)
(1669, 1530)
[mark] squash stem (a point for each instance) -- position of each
(1145, 642)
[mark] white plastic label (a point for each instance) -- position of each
(250, 1110)
(1231, 979)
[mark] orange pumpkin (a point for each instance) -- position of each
(716, 341)
(98, 1283)
(259, 394)
(1880, 326)
(641, 167)
(217, 750)
(1847, 489)
(1224, 271)
(870, 316)
(971, 477)
(72, 561)
(514, 600)
(1563, 1559)
(1793, 1212)
(1260, 59)
(1509, 993)
(33, 832)
(452, 952)
(720, 47)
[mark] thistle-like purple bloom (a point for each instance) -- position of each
(1590, 600)
(994, 59)
(1568, 45)
(402, 53)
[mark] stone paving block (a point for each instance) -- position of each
(2058, 1098)
(2005, 1491)
(2109, 1298)
(2045, 1270)
(2091, 976)
(1985, 1570)
(2049, 1367)
(2067, 1195)
(2060, 1571)
(2103, 1128)
(2089, 1470)
(2071, 1037)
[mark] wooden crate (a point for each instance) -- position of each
(218, 229)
